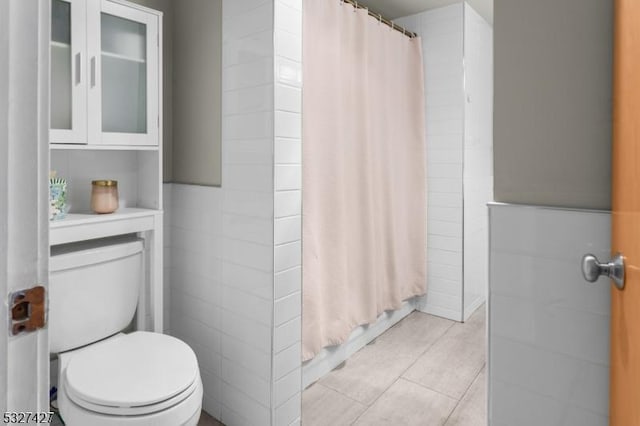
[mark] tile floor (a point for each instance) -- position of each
(424, 371)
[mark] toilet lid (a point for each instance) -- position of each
(138, 369)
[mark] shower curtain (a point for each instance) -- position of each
(364, 171)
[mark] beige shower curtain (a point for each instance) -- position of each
(364, 177)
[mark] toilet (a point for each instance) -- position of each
(107, 377)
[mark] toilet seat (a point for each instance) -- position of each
(131, 375)
(134, 411)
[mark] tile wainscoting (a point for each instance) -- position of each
(193, 282)
(548, 328)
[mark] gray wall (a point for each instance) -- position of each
(166, 7)
(552, 102)
(192, 89)
(197, 94)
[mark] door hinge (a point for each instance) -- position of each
(27, 310)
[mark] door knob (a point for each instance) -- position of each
(592, 269)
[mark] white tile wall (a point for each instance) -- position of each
(442, 43)
(287, 372)
(193, 279)
(247, 211)
(458, 57)
(478, 155)
(548, 328)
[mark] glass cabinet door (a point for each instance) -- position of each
(125, 77)
(68, 88)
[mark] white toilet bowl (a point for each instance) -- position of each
(105, 377)
(137, 379)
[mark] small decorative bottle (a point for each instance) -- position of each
(57, 197)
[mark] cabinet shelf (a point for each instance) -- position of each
(124, 57)
(79, 227)
(60, 44)
(95, 147)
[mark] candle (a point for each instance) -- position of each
(104, 196)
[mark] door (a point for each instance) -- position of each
(24, 164)
(124, 74)
(68, 72)
(625, 304)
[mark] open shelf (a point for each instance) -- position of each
(86, 226)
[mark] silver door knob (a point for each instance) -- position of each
(592, 269)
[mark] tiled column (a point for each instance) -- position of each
(261, 212)
(247, 212)
(287, 322)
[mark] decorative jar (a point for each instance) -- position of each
(104, 196)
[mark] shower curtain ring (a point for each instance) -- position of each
(379, 18)
(355, 8)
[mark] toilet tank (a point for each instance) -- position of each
(93, 290)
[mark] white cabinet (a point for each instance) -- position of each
(105, 73)
(106, 123)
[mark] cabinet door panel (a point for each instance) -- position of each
(68, 74)
(124, 75)
(124, 91)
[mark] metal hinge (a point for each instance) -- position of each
(27, 310)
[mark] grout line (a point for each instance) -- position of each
(287, 84)
(316, 383)
(250, 86)
(465, 393)
(375, 400)
(291, 216)
(453, 323)
(436, 390)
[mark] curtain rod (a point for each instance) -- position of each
(381, 18)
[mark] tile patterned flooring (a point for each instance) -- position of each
(423, 371)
